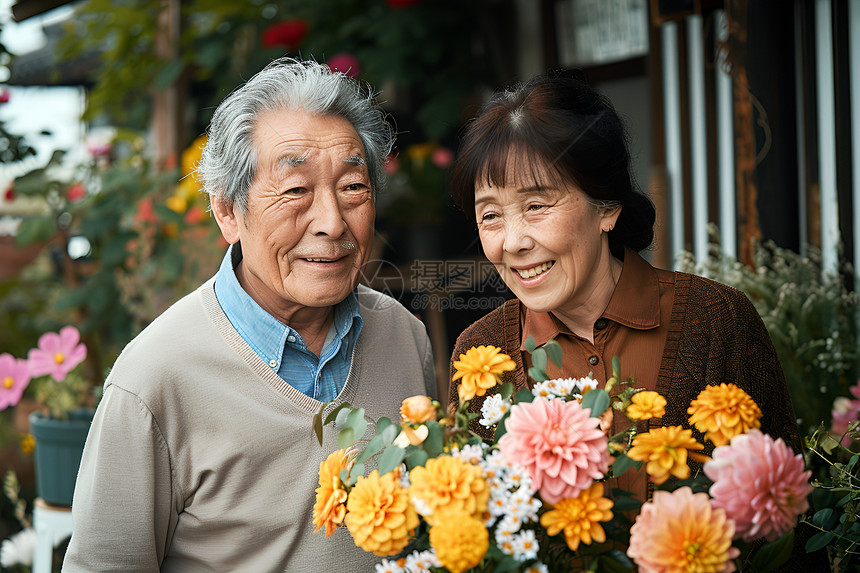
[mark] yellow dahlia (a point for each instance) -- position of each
(580, 517)
(723, 412)
(480, 369)
(329, 509)
(646, 405)
(666, 450)
(460, 541)
(446, 484)
(379, 515)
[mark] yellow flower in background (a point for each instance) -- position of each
(176, 204)
(723, 412)
(646, 405)
(480, 369)
(417, 410)
(330, 506)
(380, 516)
(448, 484)
(28, 444)
(189, 186)
(460, 541)
(579, 517)
(666, 450)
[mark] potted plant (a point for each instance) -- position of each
(51, 375)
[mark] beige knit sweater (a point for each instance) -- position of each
(201, 458)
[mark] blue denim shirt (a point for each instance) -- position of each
(282, 347)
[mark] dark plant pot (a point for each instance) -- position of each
(59, 447)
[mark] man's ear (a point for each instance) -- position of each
(226, 218)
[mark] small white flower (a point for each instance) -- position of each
(525, 545)
(9, 226)
(421, 562)
(422, 507)
(472, 453)
(586, 383)
(509, 524)
(19, 548)
(389, 567)
(493, 409)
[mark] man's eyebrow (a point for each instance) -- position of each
(291, 160)
(355, 160)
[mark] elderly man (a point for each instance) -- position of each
(202, 455)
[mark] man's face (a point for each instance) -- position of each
(309, 225)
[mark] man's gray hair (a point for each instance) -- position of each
(229, 161)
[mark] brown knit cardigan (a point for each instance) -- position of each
(715, 336)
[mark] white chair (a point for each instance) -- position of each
(52, 524)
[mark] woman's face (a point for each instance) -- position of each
(546, 240)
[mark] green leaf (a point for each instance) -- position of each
(318, 425)
(507, 563)
(819, 541)
(614, 562)
(822, 517)
(334, 413)
(530, 344)
(622, 462)
(553, 350)
(500, 429)
(505, 390)
(433, 443)
(525, 396)
(539, 359)
(616, 367)
(416, 457)
(537, 374)
(597, 400)
(391, 457)
(376, 445)
(355, 420)
(774, 554)
(626, 503)
(345, 438)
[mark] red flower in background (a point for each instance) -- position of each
(76, 192)
(9, 193)
(401, 3)
(4, 96)
(346, 63)
(287, 34)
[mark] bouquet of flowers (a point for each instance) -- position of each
(535, 499)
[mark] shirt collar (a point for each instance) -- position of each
(635, 303)
(262, 331)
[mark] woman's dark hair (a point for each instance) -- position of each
(556, 120)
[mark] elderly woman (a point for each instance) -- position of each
(545, 168)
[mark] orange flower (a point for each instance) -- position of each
(480, 369)
(723, 412)
(379, 515)
(679, 532)
(417, 410)
(329, 509)
(666, 451)
(646, 405)
(460, 541)
(445, 484)
(580, 517)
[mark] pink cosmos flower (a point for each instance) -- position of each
(845, 413)
(558, 443)
(14, 378)
(392, 165)
(57, 354)
(679, 532)
(760, 483)
(288, 34)
(346, 63)
(442, 157)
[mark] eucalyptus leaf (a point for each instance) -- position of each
(623, 463)
(356, 421)
(505, 390)
(553, 351)
(390, 458)
(433, 442)
(334, 413)
(376, 445)
(346, 437)
(530, 344)
(537, 374)
(539, 359)
(525, 396)
(417, 457)
(597, 400)
(318, 426)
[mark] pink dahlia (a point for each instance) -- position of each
(679, 532)
(760, 483)
(14, 378)
(558, 443)
(845, 413)
(57, 354)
